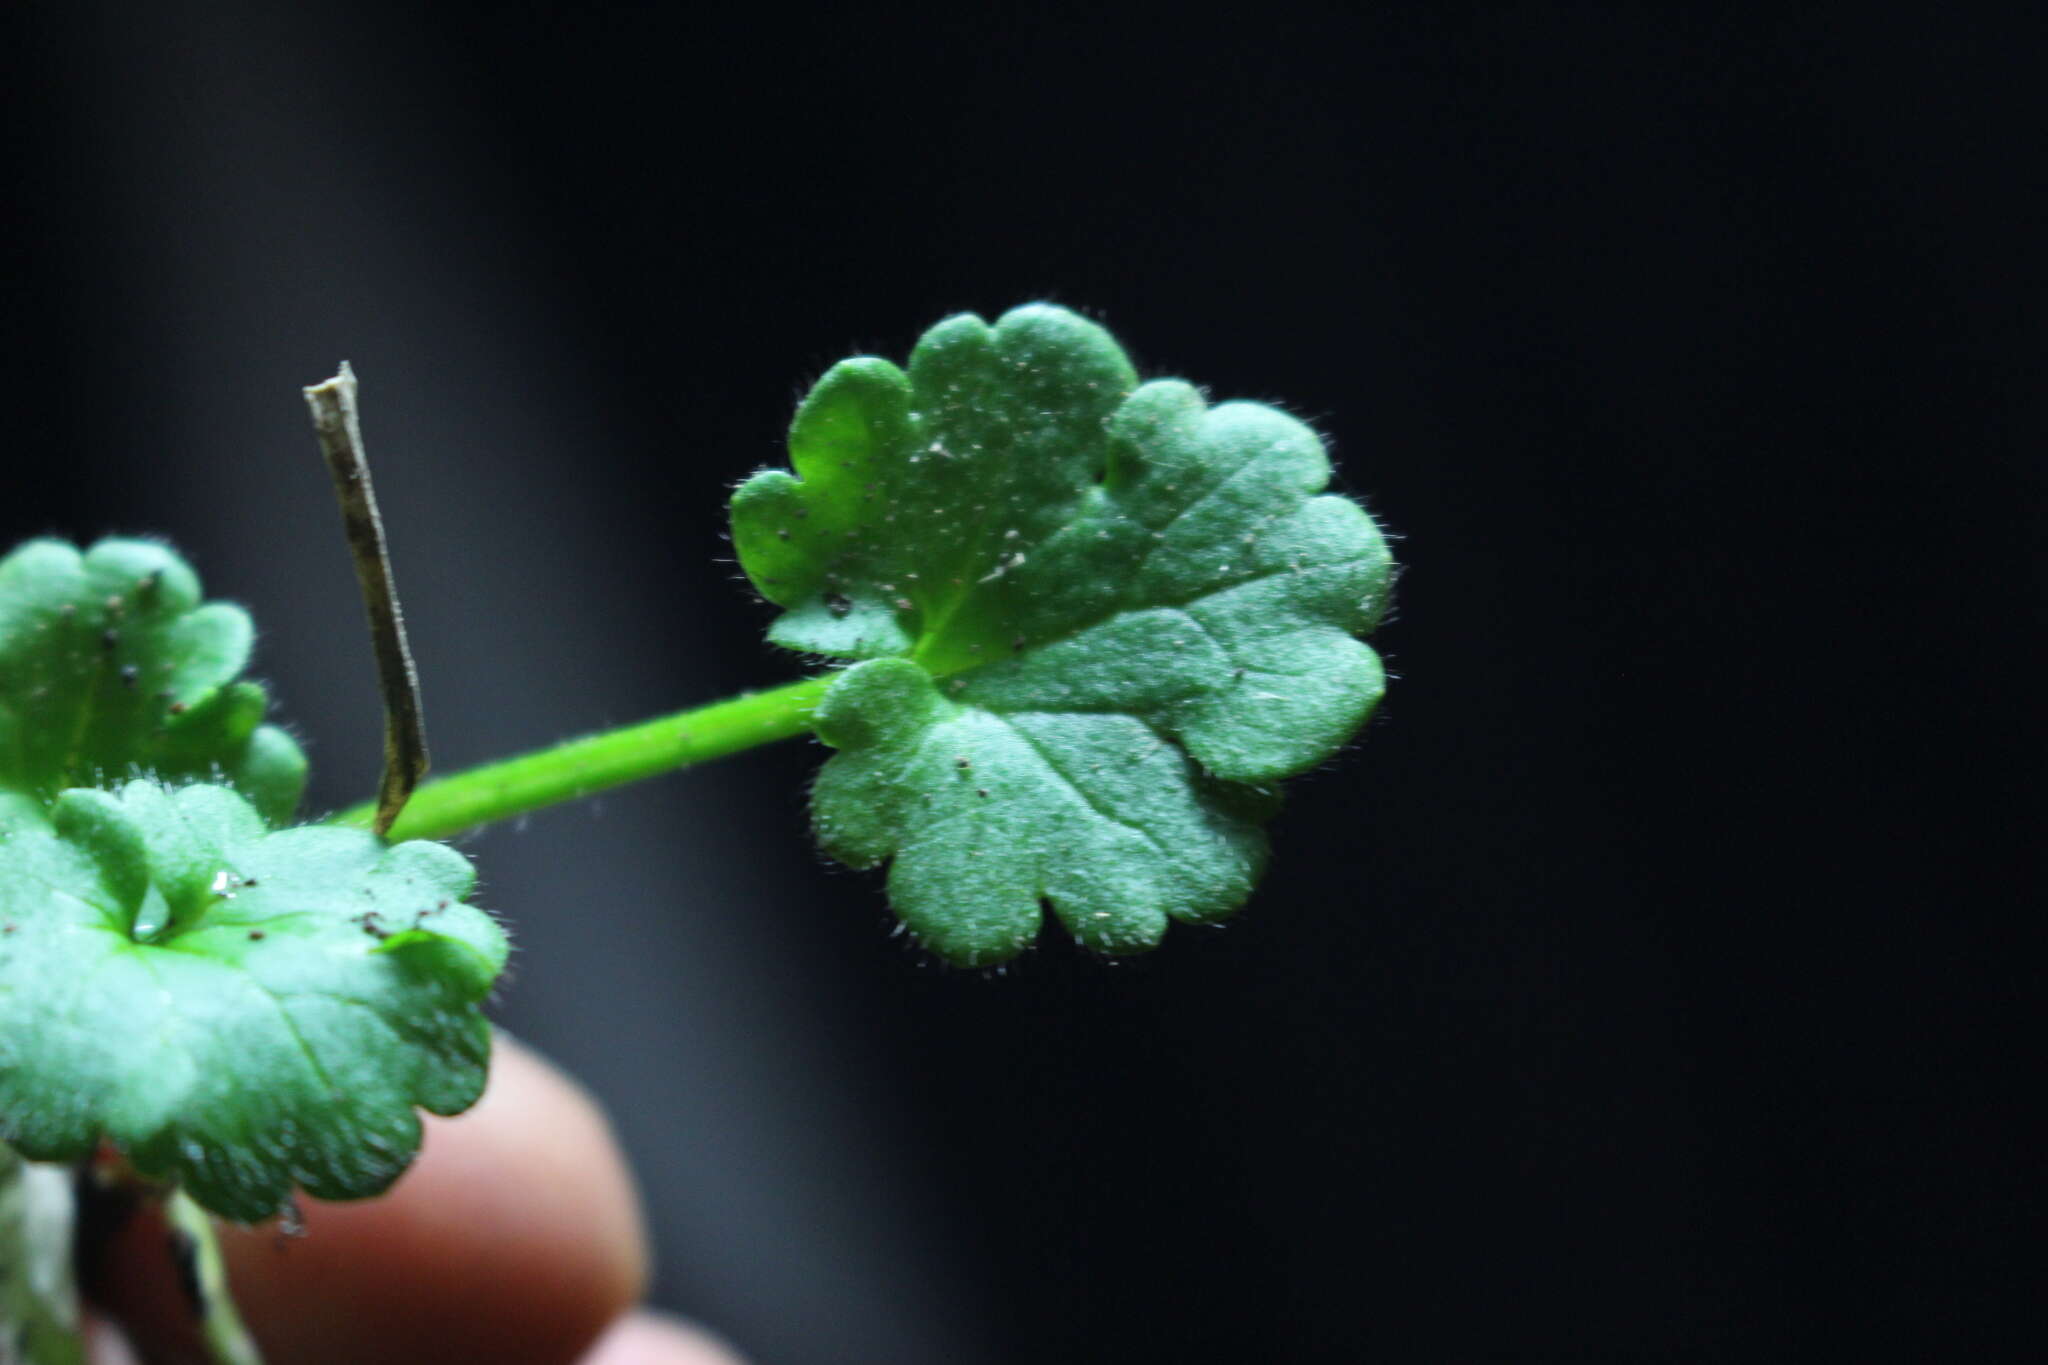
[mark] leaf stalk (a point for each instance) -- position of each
(204, 1274)
(583, 767)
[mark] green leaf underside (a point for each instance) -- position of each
(239, 1010)
(1101, 619)
(111, 667)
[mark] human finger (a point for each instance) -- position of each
(515, 1237)
(654, 1339)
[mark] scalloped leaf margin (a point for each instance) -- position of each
(1100, 621)
(113, 667)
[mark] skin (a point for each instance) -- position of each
(446, 1266)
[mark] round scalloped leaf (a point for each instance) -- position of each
(111, 667)
(1102, 619)
(239, 1010)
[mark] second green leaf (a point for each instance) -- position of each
(1099, 620)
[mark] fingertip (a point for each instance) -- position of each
(516, 1237)
(106, 1345)
(655, 1339)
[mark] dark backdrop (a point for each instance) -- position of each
(1645, 984)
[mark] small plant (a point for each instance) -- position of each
(1086, 626)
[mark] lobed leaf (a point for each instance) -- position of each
(111, 667)
(238, 1009)
(1098, 621)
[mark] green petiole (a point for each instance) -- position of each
(221, 1333)
(583, 767)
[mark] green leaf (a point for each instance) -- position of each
(39, 1320)
(111, 668)
(239, 1010)
(1101, 620)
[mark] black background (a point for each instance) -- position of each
(1646, 984)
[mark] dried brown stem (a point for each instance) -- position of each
(339, 427)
